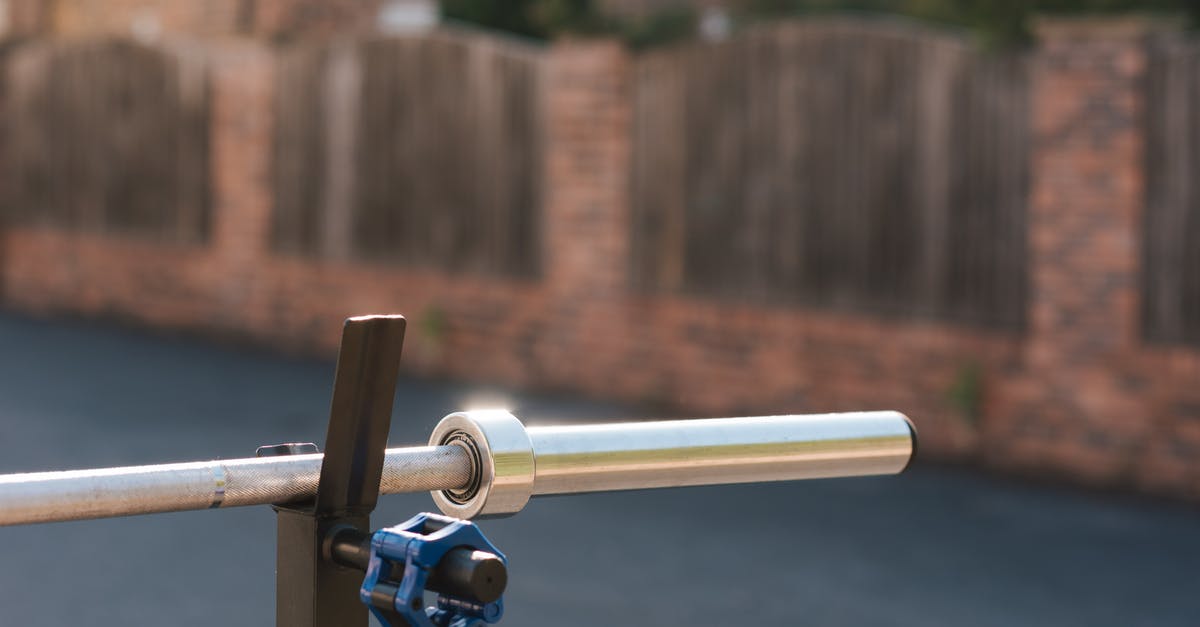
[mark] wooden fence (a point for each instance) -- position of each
(1171, 241)
(422, 150)
(857, 165)
(109, 136)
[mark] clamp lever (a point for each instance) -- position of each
(444, 555)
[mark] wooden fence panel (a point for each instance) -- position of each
(834, 163)
(442, 166)
(298, 157)
(108, 136)
(1171, 245)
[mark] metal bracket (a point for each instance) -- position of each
(311, 589)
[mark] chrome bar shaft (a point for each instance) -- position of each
(518, 462)
(629, 456)
(100, 493)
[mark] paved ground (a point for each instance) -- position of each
(932, 547)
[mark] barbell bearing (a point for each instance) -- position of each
(501, 453)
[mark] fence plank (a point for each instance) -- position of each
(446, 153)
(299, 149)
(1171, 243)
(109, 136)
(873, 167)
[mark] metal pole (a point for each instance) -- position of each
(106, 492)
(560, 460)
(631, 456)
(516, 462)
(311, 589)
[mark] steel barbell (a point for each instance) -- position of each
(487, 463)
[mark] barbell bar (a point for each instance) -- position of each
(487, 463)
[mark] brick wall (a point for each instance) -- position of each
(191, 18)
(1092, 398)
(312, 17)
(1080, 394)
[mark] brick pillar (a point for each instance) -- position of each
(28, 18)
(272, 18)
(242, 93)
(586, 208)
(1075, 408)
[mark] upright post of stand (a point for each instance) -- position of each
(311, 589)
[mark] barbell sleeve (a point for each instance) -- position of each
(514, 462)
(486, 463)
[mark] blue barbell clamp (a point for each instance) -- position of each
(418, 545)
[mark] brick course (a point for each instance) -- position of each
(190, 18)
(1079, 394)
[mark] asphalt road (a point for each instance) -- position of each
(931, 547)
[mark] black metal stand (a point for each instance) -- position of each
(311, 589)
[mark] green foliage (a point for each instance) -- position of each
(659, 28)
(433, 324)
(541, 19)
(545, 19)
(996, 22)
(966, 392)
